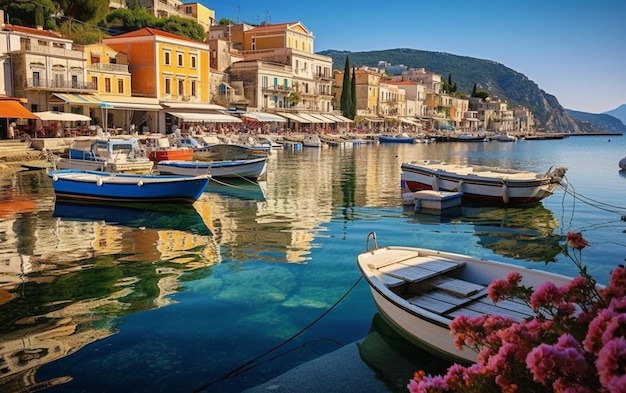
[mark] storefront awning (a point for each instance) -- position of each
(130, 103)
(79, 99)
(190, 106)
(192, 117)
(343, 119)
(310, 118)
(12, 109)
(294, 117)
(323, 118)
(264, 117)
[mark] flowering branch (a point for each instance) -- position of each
(574, 344)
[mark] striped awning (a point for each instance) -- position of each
(130, 103)
(192, 117)
(264, 117)
(323, 117)
(294, 117)
(310, 118)
(79, 99)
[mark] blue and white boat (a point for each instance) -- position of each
(106, 155)
(400, 138)
(239, 169)
(96, 186)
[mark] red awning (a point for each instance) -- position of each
(14, 110)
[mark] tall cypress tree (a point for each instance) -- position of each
(346, 96)
(353, 95)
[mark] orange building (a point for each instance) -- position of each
(171, 68)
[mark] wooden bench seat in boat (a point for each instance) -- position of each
(508, 308)
(419, 268)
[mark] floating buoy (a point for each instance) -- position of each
(55, 178)
(99, 182)
(140, 183)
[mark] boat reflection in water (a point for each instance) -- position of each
(239, 188)
(94, 265)
(393, 358)
(524, 233)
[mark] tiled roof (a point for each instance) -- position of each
(275, 27)
(32, 31)
(149, 31)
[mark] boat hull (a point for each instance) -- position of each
(393, 139)
(421, 326)
(484, 185)
(83, 185)
(170, 154)
(248, 169)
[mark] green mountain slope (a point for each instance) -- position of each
(501, 82)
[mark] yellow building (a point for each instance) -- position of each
(173, 69)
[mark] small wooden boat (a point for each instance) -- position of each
(481, 184)
(311, 140)
(106, 155)
(418, 292)
(470, 138)
(400, 138)
(83, 185)
(239, 169)
(160, 147)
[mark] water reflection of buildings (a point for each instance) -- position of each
(43, 256)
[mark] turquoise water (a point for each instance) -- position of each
(255, 280)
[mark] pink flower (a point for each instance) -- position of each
(541, 362)
(502, 289)
(576, 240)
(546, 296)
(611, 362)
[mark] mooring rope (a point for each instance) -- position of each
(249, 364)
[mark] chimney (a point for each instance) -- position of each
(1, 19)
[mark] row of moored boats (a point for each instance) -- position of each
(154, 169)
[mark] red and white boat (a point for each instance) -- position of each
(481, 184)
(161, 147)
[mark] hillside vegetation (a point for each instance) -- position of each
(501, 82)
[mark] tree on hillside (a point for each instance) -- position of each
(89, 11)
(27, 14)
(345, 103)
(353, 94)
(125, 20)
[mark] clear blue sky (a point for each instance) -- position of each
(573, 49)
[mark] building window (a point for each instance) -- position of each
(193, 88)
(95, 58)
(264, 82)
(193, 61)
(107, 85)
(120, 86)
(167, 59)
(36, 79)
(59, 80)
(275, 83)
(181, 87)
(180, 59)
(285, 84)
(168, 86)
(94, 82)
(74, 81)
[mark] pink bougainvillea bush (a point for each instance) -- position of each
(574, 344)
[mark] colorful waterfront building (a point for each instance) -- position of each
(170, 68)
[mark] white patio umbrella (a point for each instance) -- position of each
(61, 116)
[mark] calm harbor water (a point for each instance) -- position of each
(254, 280)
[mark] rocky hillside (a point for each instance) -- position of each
(501, 82)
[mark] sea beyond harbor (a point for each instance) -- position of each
(256, 279)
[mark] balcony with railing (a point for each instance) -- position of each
(119, 68)
(277, 89)
(52, 84)
(52, 51)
